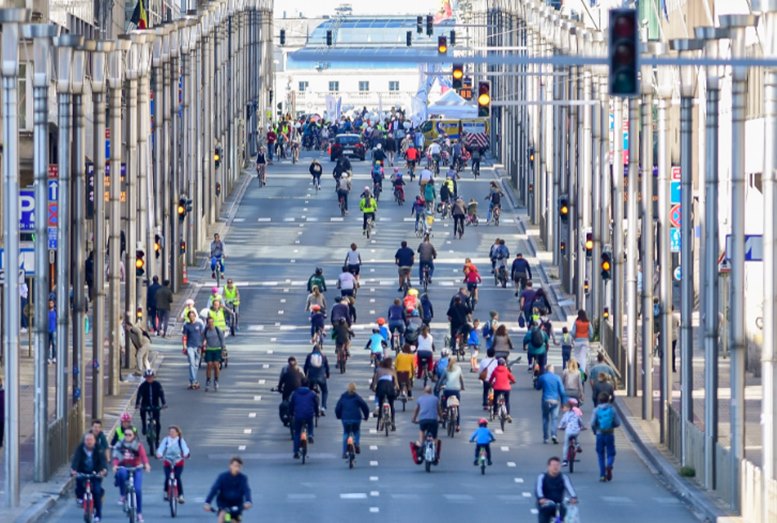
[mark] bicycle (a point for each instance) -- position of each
(430, 452)
(233, 319)
(399, 196)
(396, 345)
(88, 499)
(384, 419)
(370, 226)
(452, 412)
(497, 213)
(350, 449)
(152, 429)
(261, 174)
(482, 459)
(341, 352)
(377, 188)
(303, 443)
(131, 499)
(500, 274)
(403, 396)
(318, 338)
(172, 489)
(500, 410)
(425, 277)
(571, 453)
(341, 203)
(230, 514)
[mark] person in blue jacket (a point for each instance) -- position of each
(231, 491)
(350, 410)
(482, 437)
(303, 406)
(553, 396)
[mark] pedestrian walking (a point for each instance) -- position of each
(164, 302)
(604, 421)
(192, 342)
(581, 331)
(142, 343)
(52, 331)
(151, 302)
(553, 396)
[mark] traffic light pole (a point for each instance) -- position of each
(648, 255)
(130, 215)
(631, 250)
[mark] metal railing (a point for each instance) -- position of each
(64, 435)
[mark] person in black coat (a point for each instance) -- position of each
(350, 410)
(150, 395)
(89, 459)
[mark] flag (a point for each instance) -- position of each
(140, 15)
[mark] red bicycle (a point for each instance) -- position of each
(172, 487)
(88, 500)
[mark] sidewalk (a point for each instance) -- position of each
(645, 435)
(38, 498)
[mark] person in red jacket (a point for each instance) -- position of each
(129, 455)
(502, 380)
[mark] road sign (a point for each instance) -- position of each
(53, 170)
(674, 192)
(676, 173)
(53, 190)
(674, 239)
(52, 238)
(678, 273)
(26, 210)
(675, 215)
(26, 260)
(53, 214)
(754, 247)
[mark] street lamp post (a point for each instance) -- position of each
(631, 248)
(686, 48)
(603, 213)
(174, 147)
(737, 26)
(144, 39)
(10, 20)
(710, 298)
(98, 340)
(595, 181)
(160, 163)
(41, 35)
(768, 8)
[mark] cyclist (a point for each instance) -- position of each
(405, 367)
(486, 368)
(459, 317)
(303, 406)
(450, 180)
(430, 194)
(216, 255)
(368, 206)
(150, 395)
(376, 345)
(404, 259)
(89, 459)
(342, 167)
(397, 317)
(316, 370)
(315, 171)
(427, 309)
(520, 273)
(343, 335)
(290, 379)
(384, 383)
(412, 159)
(418, 209)
(340, 312)
(452, 384)
(482, 437)
(173, 450)
(472, 279)
(343, 187)
(434, 151)
(232, 299)
(315, 298)
(476, 155)
(124, 425)
(378, 154)
(455, 154)
(261, 166)
(377, 179)
(316, 323)
(219, 314)
(384, 331)
(501, 381)
(499, 256)
(425, 352)
(317, 280)
(398, 184)
(427, 414)
(130, 453)
(425, 177)
(571, 423)
(446, 194)
(536, 343)
(494, 200)
(231, 491)
(350, 410)
(346, 282)
(426, 256)
(353, 261)
(414, 326)
(550, 490)
(472, 211)
(212, 348)
(459, 211)
(214, 293)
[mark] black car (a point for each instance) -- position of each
(348, 144)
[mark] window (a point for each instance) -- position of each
(303, 86)
(393, 85)
(334, 86)
(364, 86)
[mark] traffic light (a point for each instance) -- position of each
(158, 243)
(329, 38)
(457, 74)
(484, 99)
(182, 247)
(140, 263)
(217, 156)
(562, 247)
(429, 25)
(283, 36)
(623, 52)
(589, 244)
(531, 154)
(606, 266)
(606, 313)
(419, 24)
(563, 209)
(452, 38)
(586, 287)
(180, 209)
(442, 45)
(409, 38)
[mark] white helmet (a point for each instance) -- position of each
(189, 303)
(204, 313)
(379, 146)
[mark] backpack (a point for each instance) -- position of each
(605, 418)
(487, 330)
(537, 339)
(316, 360)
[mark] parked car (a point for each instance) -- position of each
(348, 144)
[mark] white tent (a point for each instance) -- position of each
(451, 105)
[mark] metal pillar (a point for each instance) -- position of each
(648, 258)
(710, 296)
(159, 163)
(98, 341)
(631, 250)
(131, 303)
(583, 175)
(145, 215)
(10, 20)
(41, 35)
(618, 201)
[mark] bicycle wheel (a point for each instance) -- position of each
(173, 500)
(571, 452)
(132, 507)
(88, 508)
(451, 427)
(386, 423)
(428, 466)
(351, 456)
(482, 466)
(502, 417)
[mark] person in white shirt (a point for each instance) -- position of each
(425, 177)
(425, 350)
(173, 450)
(486, 368)
(346, 282)
(353, 261)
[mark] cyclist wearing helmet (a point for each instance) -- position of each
(418, 209)
(317, 280)
(150, 395)
(411, 301)
(368, 206)
(414, 326)
(397, 317)
(317, 319)
(501, 381)
(125, 425)
(378, 154)
(377, 179)
(215, 294)
(398, 184)
(384, 331)
(482, 438)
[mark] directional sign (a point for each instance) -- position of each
(53, 190)
(678, 273)
(675, 215)
(674, 239)
(676, 173)
(26, 210)
(754, 247)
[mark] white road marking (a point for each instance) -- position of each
(336, 219)
(277, 324)
(311, 219)
(534, 511)
(300, 497)
(372, 300)
(373, 447)
(504, 448)
(374, 510)
(256, 327)
(252, 414)
(498, 431)
(372, 270)
(262, 382)
(280, 312)
(241, 447)
(270, 351)
(283, 300)
(264, 220)
(458, 497)
(354, 495)
(526, 494)
(372, 312)
(265, 365)
(373, 431)
(373, 463)
(239, 220)
(305, 209)
(373, 478)
(518, 480)
(292, 260)
(247, 431)
(273, 339)
(511, 464)
(622, 500)
(290, 219)
(257, 398)
(296, 242)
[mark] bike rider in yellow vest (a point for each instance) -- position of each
(232, 301)
(218, 313)
(368, 205)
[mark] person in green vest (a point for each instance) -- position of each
(126, 424)
(232, 302)
(219, 314)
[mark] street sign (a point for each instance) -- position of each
(26, 260)
(27, 210)
(674, 192)
(53, 171)
(674, 239)
(754, 247)
(53, 190)
(53, 214)
(675, 215)
(678, 273)
(52, 238)
(676, 173)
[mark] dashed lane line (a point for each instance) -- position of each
(353, 495)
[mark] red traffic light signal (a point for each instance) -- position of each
(623, 52)
(484, 99)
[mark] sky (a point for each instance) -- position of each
(311, 8)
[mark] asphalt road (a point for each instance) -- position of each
(279, 234)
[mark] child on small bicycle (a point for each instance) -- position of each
(317, 320)
(571, 423)
(472, 211)
(473, 343)
(376, 345)
(482, 437)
